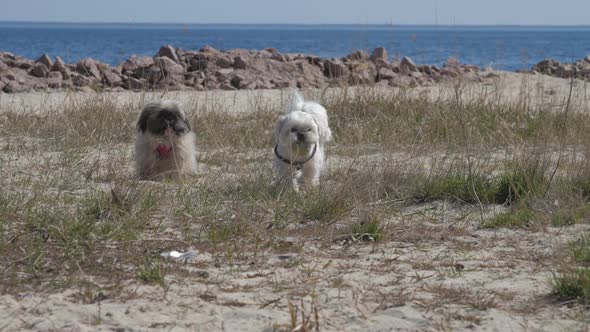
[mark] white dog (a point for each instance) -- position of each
(300, 136)
(165, 145)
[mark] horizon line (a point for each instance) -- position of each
(295, 24)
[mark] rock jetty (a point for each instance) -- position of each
(208, 68)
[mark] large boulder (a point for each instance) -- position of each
(80, 80)
(111, 79)
(358, 56)
(547, 66)
(55, 80)
(379, 53)
(134, 63)
(199, 61)
(407, 66)
(240, 62)
(169, 52)
(385, 74)
(208, 49)
(88, 67)
(45, 60)
(224, 72)
(334, 68)
(60, 66)
(15, 87)
(39, 70)
(361, 73)
(168, 66)
(224, 62)
(133, 83)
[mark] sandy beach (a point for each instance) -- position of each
(266, 261)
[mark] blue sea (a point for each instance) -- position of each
(504, 47)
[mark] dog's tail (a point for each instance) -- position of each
(295, 101)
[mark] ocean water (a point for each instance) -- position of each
(503, 47)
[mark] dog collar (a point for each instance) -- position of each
(298, 164)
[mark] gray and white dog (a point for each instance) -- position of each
(300, 135)
(165, 146)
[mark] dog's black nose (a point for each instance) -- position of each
(300, 136)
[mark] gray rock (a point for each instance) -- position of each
(168, 66)
(237, 80)
(224, 62)
(23, 64)
(278, 57)
(224, 72)
(45, 60)
(134, 63)
(88, 67)
(547, 66)
(281, 84)
(60, 66)
(385, 74)
(407, 66)
(10, 76)
(334, 68)
(55, 80)
(39, 70)
(111, 79)
(152, 74)
(80, 80)
(358, 56)
(226, 86)
(360, 77)
(15, 87)
(3, 66)
(240, 62)
(450, 72)
(198, 62)
(402, 82)
(208, 49)
(135, 84)
(452, 62)
(379, 53)
(564, 71)
(169, 52)
(55, 75)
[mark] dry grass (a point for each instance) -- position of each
(71, 215)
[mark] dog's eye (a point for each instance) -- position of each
(293, 130)
(308, 129)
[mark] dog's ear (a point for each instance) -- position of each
(279, 126)
(142, 121)
(324, 133)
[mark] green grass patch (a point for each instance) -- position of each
(367, 229)
(572, 285)
(325, 205)
(457, 188)
(516, 217)
(521, 181)
(151, 271)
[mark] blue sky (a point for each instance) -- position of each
(482, 12)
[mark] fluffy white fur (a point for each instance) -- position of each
(296, 133)
(181, 161)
